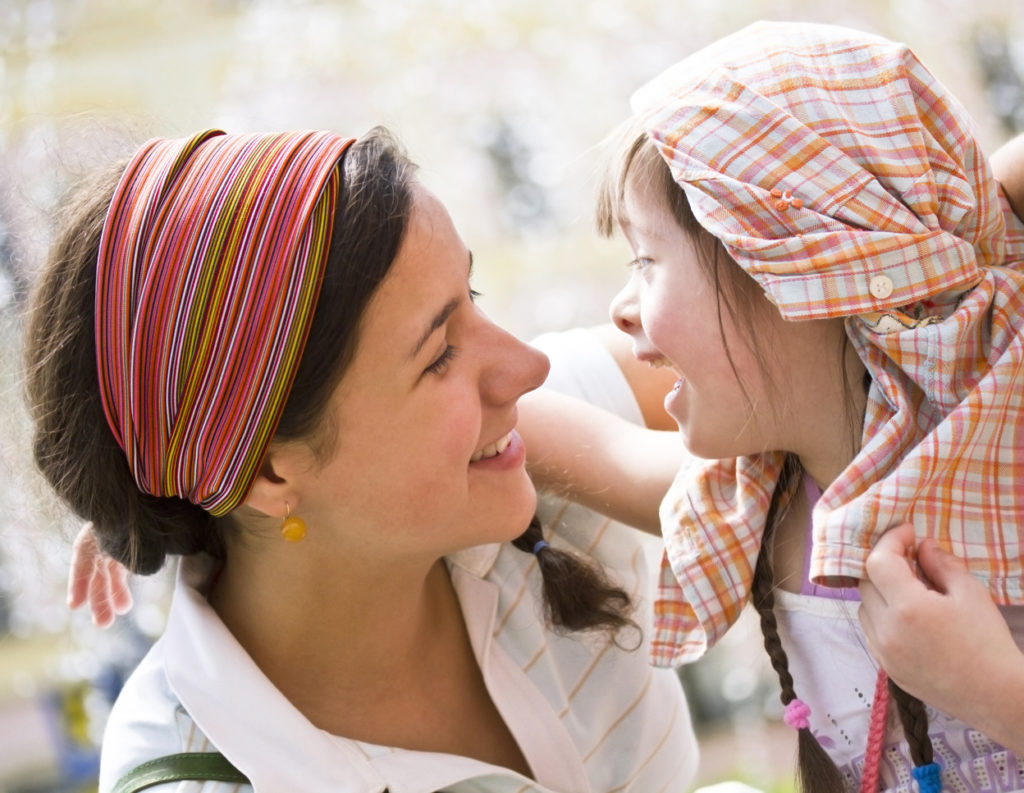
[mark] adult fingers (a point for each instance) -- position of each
(944, 571)
(872, 613)
(889, 565)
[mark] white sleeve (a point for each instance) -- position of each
(583, 368)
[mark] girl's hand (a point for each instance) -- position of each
(97, 579)
(937, 633)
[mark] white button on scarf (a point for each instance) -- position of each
(881, 286)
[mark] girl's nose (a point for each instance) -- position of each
(625, 309)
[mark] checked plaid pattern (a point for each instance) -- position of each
(847, 181)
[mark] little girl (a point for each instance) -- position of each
(859, 368)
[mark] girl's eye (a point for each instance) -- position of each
(640, 262)
(473, 295)
(441, 364)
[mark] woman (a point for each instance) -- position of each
(298, 394)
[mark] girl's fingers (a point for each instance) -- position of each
(99, 596)
(85, 552)
(120, 594)
(98, 580)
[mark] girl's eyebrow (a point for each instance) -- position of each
(441, 317)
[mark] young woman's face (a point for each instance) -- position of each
(426, 458)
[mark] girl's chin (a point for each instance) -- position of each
(675, 403)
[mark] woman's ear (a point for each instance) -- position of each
(273, 491)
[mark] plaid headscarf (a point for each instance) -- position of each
(209, 270)
(847, 181)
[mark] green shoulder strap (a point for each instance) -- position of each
(178, 767)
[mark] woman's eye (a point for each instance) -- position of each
(445, 358)
(640, 262)
(473, 295)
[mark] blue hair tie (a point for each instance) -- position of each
(928, 777)
(539, 546)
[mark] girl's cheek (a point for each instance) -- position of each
(655, 318)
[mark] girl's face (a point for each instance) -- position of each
(670, 308)
(426, 458)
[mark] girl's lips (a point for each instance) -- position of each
(513, 455)
(652, 358)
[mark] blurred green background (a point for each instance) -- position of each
(503, 103)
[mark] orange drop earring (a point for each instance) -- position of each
(293, 529)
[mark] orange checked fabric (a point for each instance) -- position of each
(847, 181)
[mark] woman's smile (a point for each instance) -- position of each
(506, 453)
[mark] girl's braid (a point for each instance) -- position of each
(816, 773)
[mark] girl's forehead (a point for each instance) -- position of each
(646, 213)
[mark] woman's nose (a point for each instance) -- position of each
(515, 368)
(625, 309)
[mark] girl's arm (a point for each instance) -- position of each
(1008, 164)
(602, 461)
(943, 641)
(597, 459)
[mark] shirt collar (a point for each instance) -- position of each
(221, 688)
(478, 560)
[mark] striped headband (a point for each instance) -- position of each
(209, 270)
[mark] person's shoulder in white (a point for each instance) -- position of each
(143, 723)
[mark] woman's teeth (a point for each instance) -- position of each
(492, 449)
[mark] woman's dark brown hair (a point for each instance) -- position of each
(78, 455)
(641, 166)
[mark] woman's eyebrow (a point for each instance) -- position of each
(441, 317)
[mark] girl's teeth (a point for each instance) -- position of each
(492, 449)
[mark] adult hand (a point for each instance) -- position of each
(97, 579)
(938, 634)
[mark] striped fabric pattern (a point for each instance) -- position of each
(209, 269)
(848, 182)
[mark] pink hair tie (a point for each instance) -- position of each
(797, 714)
